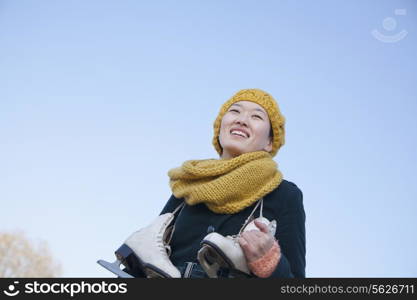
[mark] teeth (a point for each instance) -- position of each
(237, 132)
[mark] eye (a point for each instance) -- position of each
(234, 110)
(257, 116)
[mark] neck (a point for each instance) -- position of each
(228, 155)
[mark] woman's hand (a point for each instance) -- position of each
(255, 244)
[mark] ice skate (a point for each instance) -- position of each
(220, 251)
(115, 267)
(147, 251)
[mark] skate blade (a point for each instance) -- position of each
(114, 268)
(212, 258)
(209, 260)
(216, 255)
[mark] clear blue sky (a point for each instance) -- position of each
(99, 99)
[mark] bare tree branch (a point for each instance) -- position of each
(21, 258)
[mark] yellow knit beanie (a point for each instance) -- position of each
(268, 103)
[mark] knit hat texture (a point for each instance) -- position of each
(268, 103)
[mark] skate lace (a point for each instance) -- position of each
(261, 202)
(162, 246)
(234, 238)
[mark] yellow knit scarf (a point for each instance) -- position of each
(226, 185)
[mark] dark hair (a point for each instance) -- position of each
(271, 131)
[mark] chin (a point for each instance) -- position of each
(234, 151)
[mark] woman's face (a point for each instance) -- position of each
(244, 128)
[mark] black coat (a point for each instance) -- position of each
(284, 204)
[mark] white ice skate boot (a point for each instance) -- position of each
(218, 251)
(147, 251)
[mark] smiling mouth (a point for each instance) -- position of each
(238, 136)
(238, 133)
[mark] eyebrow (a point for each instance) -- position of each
(258, 109)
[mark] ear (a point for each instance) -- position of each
(268, 147)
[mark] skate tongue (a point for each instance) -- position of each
(272, 227)
(114, 268)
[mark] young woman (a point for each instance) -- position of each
(221, 193)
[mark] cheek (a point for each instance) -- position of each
(262, 132)
(225, 123)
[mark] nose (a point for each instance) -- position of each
(242, 119)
